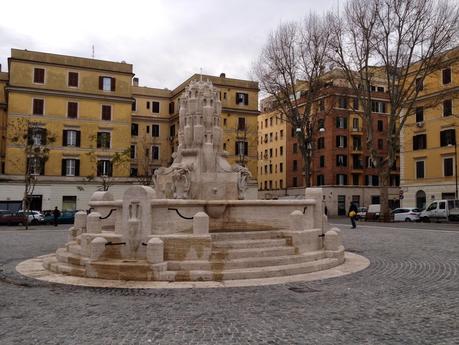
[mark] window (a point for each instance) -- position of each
(371, 180)
(295, 182)
(155, 130)
(134, 129)
(281, 133)
(134, 105)
(148, 129)
(281, 151)
(356, 103)
(270, 121)
(133, 172)
(341, 179)
(281, 167)
(106, 83)
(341, 141)
(172, 131)
(148, 105)
(270, 137)
(242, 147)
(72, 110)
(39, 75)
(448, 137)
(355, 124)
(356, 143)
(378, 107)
(70, 167)
(295, 165)
(71, 138)
(448, 169)
(322, 161)
(447, 107)
(281, 184)
(36, 166)
(419, 142)
(419, 84)
(370, 162)
(38, 106)
(224, 122)
(341, 160)
(73, 79)
(320, 123)
(69, 202)
(380, 125)
(104, 168)
(155, 152)
(270, 153)
(132, 151)
(295, 148)
(241, 123)
(321, 143)
(106, 112)
(270, 168)
(342, 102)
(420, 169)
(380, 144)
(171, 107)
(446, 76)
(154, 107)
(36, 136)
(103, 140)
(355, 179)
(320, 180)
(242, 98)
(341, 122)
(419, 114)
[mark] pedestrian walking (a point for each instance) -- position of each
(352, 214)
(56, 214)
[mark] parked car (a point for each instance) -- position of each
(361, 213)
(373, 212)
(66, 217)
(406, 214)
(11, 218)
(34, 217)
(441, 210)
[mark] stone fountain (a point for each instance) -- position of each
(195, 224)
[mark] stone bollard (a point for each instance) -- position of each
(155, 251)
(331, 240)
(73, 233)
(296, 220)
(80, 220)
(97, 248)
(200, 224)
(93, 223)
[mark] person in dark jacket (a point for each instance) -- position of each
(56, 214)
(353, 208)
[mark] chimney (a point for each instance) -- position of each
(135, 81)
(222, 75)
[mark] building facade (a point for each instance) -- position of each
(340, 160)
(100, 129)
(429, 137)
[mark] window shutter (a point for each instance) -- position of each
(113, 84)
(77, 167)
(345, 141)
(44, 136)
(101, 83)
(246, 99)
(337, 122)
(63, 167)
(64, 137)
(110, 169)
(29, 136)
(337, 141)
(42, 166)
(99, 140)
(345, 122)
(246, 148)
(78, 138)
(99, 168)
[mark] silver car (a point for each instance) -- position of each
(406, 214)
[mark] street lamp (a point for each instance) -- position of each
(455, 162)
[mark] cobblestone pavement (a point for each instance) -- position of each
(408, 295)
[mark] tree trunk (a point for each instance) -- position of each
(384, 194)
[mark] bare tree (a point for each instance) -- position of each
(34, 140)
(290, 70)
(399, 42)
(144, 160)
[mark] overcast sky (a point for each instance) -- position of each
(166, 41)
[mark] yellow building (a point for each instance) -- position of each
(428, 142)
(3, 119)
(239, 117)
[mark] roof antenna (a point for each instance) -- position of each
(93, 51)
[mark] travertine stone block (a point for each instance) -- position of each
(331, 240)
(200, 224)
(80, 220)
(155, 251)
(296, 220)
(317, 195)
(97, 248)
(93, 223)
(137, 204)
(73, 233)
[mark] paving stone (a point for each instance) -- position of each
(408, 295)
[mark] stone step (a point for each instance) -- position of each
(243, 263)
(250, 243)
(56, 266)
(245, 235)
(62, 255)
(256, 272)
(229, 254)
(74, 249)
(122, 269)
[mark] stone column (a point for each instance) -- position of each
(97, 248)
(296, 220)
(94, 224)
(155, 251)
(317, 195)
(200, 224)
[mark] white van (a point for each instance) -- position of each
(441, 210)
(373, 212)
